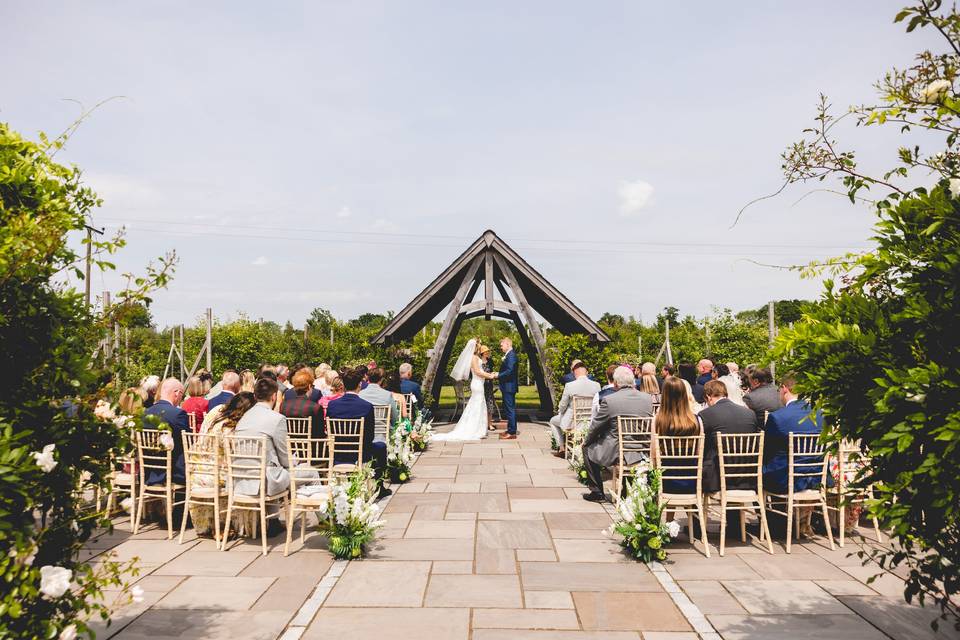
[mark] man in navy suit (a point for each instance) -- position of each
(509, 385)
(351, 405)
(794, 417)
(229, 387)
(165, 410)
(407, 384)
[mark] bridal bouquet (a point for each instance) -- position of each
(639, 518)
(350, 517)
(400, 453)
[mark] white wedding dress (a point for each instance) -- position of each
(473, 422)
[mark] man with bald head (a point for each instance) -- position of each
(705, 371)
(166, 410)
(229, 387)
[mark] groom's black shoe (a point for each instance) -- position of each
(594, 496)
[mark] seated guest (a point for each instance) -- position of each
(732, 381)
(291, 393)
(351, 405)
(763, 395)
(230, 386)
(688, 372)
(705, 371)
(581, 385)
(568, 376)
(376, 394)
(166, 410)
(303, 405)
(676, 419)
(195, 403)
(605, 390)
(320, 379)
(262, 421)
(149, 385)
(283, 373)
(391, 382)
(131, 401)
(336, 389)
(408, 385)
(722, 416)
(248, 379)
(218, 387)
(601, 446)
(206, 381)
(666, 371)
(794, 417)
(649, 384)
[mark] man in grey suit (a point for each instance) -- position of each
(377, 395)
(601, 447)
(581, 385)
(763, 396)
(262, 420)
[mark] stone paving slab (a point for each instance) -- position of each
(378, 623)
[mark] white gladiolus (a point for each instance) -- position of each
(673, 528)
(136, 594)
(955, 187)
(935, 91)
(166, 439)
(69, 632)
(54, 581)
(126, 504)
(104, 411)
(45, 459)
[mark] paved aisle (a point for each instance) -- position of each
(492, 541)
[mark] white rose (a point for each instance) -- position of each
(104, 411)
(69, 632)
(54, 581)
(136, 593)
(166, 439)
(935, 91)
(45, 459)
(673, 528)
(955, 187)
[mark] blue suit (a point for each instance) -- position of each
(409, 386)
(221, 398)
(509, 381)
(353, 406)
(793, 418)
(179, 423)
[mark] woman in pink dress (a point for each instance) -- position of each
(196, 404)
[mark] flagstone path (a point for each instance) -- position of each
(492, 541)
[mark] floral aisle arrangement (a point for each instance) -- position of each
(576, 453)
(400, 452)
(421, 431)
(350, 517)
(639, 519)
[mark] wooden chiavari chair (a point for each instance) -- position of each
(740, 456)
(299, 427)
(680, 459)
(153, 456)
(634, 435)
(381, 420)
(346, 438)
(850, 459)
(311, 464)
(581, 410)
(247, 463)
(203, 463)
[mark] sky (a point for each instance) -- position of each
(341, 155)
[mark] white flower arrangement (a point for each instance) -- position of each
(638, 518)
(400, 453)
(166, 440)
(576, 453)
(69, 632)
(350, 516)
(421, 432)
(955, 187)
(54, 581)
(45, 459)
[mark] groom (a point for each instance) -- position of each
(508, 380)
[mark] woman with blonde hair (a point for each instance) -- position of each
(131, 401)
(320, 380)
(336, 390)
(195, 404)
(248, 379)
(648, 384)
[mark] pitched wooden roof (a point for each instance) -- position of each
(542, 296)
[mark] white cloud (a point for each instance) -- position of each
(260, 262)
(634, 196)
(344, 212)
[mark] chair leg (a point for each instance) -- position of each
(841, 520)
(290, 516)
(689, 525)
(743, 524)
(138, 513)
(169, 501)
(789, 522)
(723, 526)
(703, 528)
(216, 520)
(226, 526)
(263, 525)
(876, 529)
(823, 505)
(765, 529)
(186, 512)
(303, 527)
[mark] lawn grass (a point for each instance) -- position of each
(527, 397)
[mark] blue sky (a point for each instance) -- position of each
(342, 154)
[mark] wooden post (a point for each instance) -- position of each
(331, 334)
(183, 365)
(86, 279)
(706, 326)
(209, 346)
(107, 342)
(772, 332)
(430, 376)
(488, 285)
(667, 343)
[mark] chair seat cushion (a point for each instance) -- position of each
(239, 497)
(315, 500)
(741, 494)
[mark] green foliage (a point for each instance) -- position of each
(50, 386)
(879, 352)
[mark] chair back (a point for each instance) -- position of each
(807, 458)
(202, 459)
(312, 454)
(192, 421)
(741, 458)
(408, 399)
(850, 459)
(299, 427)
(655, 398)
(152, 455)
(680, 459)
(635, 434)
(381, 420)
(246, 460)
(346, 436)
(582, 410)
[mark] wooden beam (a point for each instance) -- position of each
(488, 308)
(445, 331)
(488, 283)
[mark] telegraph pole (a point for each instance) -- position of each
(86, 280)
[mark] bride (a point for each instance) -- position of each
(473, 422)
